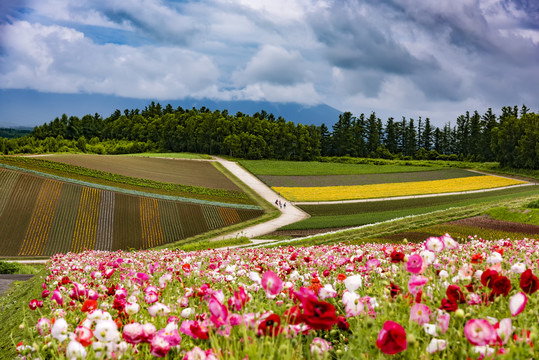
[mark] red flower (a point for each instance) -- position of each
(293, 315)
(341, 277)
(477, 259)
(529, 282)
(33, 304)
(397, 256)
(488, 277)
(270, 326)
(342, 323)
(448, 305)
(394, 289)
(198, 331)
(392, 338)
(319, 315)
(89, 305)
(186, 267)
(501, 286)
(454, 294)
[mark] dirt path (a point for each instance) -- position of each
(289, 214)
(7, 279)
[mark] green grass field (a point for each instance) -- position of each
(282, 168)
(357, 214)
(520, 215)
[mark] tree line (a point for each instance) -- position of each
(511, 138)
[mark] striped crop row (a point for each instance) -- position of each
(335, 193)
(42, 217)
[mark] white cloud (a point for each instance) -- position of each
(59, 59)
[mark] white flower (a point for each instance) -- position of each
(75, 350)
(449, 242)
(477, 274)
(327, 292)
(353, 282)
(59, 330)
(443, 274)
(436, 345)
(255, 277)
(186, 313)
(428, 257)
(518, 268)
(483, 350)
(106, 331)
(434, 244)
(431, 329)
(158, 309)
(132, 308)
(495, 258)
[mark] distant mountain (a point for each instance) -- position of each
(30, 108)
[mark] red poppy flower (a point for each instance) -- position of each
(448, 305)
(341, 277)
(319, 315)
(198, 332)
(488, 277)
(342, 323)
(394, 289)
(293, 315)
(529, 282)
(477, 259)
(89, 305)
(501, 286)
(392, 338)
(270, 326)
(397, 256)
(455, 294)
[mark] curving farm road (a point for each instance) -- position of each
(289, 214)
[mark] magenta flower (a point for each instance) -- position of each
(272, 284)
(171, 335)
(517, 303)
(57, 297)
(420, 313)
(443, 321)
(434, 244)
(414, 264)
(480, 332)
(219, 312)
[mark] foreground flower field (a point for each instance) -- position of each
(438, 299)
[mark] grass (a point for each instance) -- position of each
(206, 244)
(7, 267)
(519, 215)
(410, 223)
(278, 167)
(14, 312)
(173, 155)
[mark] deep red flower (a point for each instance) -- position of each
(529, 282)
(448, 305)
(394, 289)
(270, 326)
(488, 277)
(197, 330)
(65, 280)
(501, 286)
(319, 315)
(469, 287)
(342, 323)
(293, 315)
(455, 294)
(397, 256)
(392, 338)
(341, 277)
(33, 304)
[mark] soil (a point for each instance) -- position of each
(486, 222)
(7, 279)
(175, 171)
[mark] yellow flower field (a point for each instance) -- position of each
(334, 193)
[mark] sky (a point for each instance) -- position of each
(410, 58)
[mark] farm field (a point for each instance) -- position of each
(307, 168)
(66, 172)
(351, 192)
(330, 216)
(42, 217)
(177, 171)
(171, 155)
(363, 179)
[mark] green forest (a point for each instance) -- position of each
(510, 138)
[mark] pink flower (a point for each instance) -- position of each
(414, 264)
(372, 264)
(84, 335)
(219, 313)
(272, 284)
(517, 303)
(148, 331)
(171, 335)
(420, 313)
(151, 296)
(443, 321)
(480, 332)
(159, 346)
(434, 244)
(416, 283)
(57, 297)
(133, 333)
(197, 353)
(504, 330)
(320, 346)
(43, 326)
